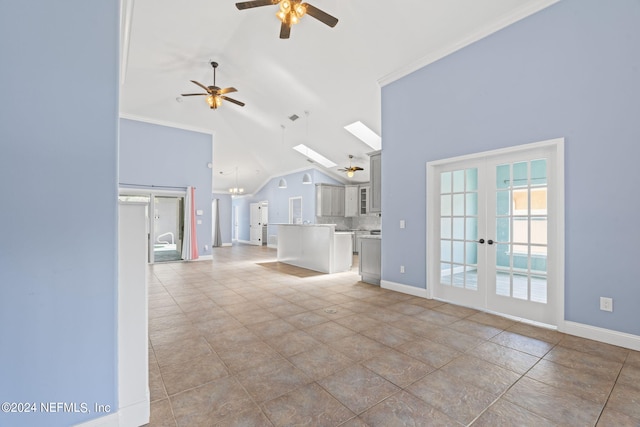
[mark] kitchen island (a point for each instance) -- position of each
(317, 247)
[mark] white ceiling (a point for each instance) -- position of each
(334, 74)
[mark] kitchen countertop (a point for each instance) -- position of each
(371, 236)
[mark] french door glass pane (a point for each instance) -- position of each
(521, 230)
(445, 228)
(445, 205)
(445, 274)
(459, 228)
(445, 250)
(445, 182)
(503, 203)
(472, 229)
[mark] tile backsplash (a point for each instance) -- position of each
(367, 222)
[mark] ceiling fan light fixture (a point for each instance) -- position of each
(300, 10)
(350, 173)
(214, 101)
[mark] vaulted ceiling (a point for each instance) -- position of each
(329, 77)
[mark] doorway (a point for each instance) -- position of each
(295, 210)
(168, 228)
(495, 231)
(164, 222)
(258, 218)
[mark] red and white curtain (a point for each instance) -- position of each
(190, 241)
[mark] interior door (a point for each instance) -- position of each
(492, 227)
(255, 224)
(518, 236)
(462, 212)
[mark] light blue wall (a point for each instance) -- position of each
(571, 70)
(58, 180)
(224, 207)
(154, 155)
(278, 199)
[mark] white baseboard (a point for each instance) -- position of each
(111, 420)
(132, 416)
(595, 333)
(620, 339)
(272, 246)
(405, 289)
(135, 415)
(227, 244)
(203, 258)
(244, 241)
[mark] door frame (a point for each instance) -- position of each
(151, 193)
(291, 201)
(556, 230)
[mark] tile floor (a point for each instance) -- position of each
(245, 341)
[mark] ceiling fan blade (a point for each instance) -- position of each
(227, 90)
(201, 85)
(251, 4)
(233, 100)
(358, 168)
(193, 94)
(320, 15)
(285, 31)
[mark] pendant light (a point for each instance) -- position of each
(236, 189)
(283, 182)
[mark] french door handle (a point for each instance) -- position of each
(481, 241)
(490, 242)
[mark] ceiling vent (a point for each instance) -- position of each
(294, 117)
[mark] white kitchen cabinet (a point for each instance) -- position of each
(370, 259)
(337, 201)
(363, 200)
(358, 237)
(375, 196)
(351, 200)
(329, 200)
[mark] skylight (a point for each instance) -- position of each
(316, 157)
(364, 134)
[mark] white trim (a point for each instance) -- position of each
(126, 17)
(111, 420)
(501, 23)
(202, 258)
(595, 333)
(405, 289)
(246, 242)
(225, 245)
(500, 151)
(143, 190)
(135, 415)
(608, 336)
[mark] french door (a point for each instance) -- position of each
(492, 220)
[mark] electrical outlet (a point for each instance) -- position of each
(402, 269)
(606, 304)
(206, 247)
(402, 223)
